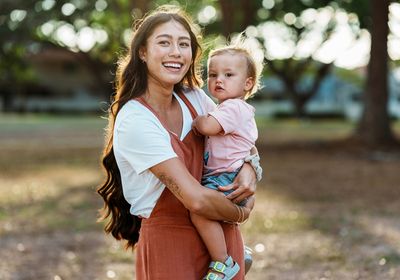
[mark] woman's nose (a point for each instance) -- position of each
(175, 50)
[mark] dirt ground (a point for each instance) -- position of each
(323, 211)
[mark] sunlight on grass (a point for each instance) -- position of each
(55, 198)
(319, 214)
(279, 215)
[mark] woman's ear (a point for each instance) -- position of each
(142, 54)
(249, 84)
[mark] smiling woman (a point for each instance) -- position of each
(170, 43)
(153, 159)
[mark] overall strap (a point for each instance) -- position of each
(193, 111)
(182, 96)
(145, 104)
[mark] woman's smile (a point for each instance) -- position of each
(168, 53)
(174, 67)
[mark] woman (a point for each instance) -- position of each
(154, 160)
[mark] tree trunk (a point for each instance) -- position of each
(7, 99)
(290, 75)
(142, 5)
(103, 84)
(249, 12)
(228, 17)
(374, 126)
(299, 104)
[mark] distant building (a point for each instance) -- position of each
(65, 82)
(335, 97)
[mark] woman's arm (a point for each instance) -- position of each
(196, 198)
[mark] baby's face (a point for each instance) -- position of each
(227, 76)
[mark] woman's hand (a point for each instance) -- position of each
(244, 211)
(248, 207)
(250, 202)
(244, 184)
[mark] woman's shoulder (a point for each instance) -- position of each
(133, 112)
(129, 109)
(195, 92)
(200, 100)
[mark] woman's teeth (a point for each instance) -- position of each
(173, 65)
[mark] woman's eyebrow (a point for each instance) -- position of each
(170, 37)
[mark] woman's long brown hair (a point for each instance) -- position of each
(131, 82)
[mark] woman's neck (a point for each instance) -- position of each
(159, 97)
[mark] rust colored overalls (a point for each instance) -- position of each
(169, 247)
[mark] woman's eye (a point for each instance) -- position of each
(164, 43)
(185, 44)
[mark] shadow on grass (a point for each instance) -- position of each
(347, 194)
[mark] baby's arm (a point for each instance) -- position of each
(207, 125)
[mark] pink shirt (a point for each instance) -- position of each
(228, 150)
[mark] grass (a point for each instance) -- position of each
(321, 212)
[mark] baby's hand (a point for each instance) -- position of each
(194, 126)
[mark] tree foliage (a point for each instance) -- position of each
(288, 16)
(27, 26)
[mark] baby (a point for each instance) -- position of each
(233, 76)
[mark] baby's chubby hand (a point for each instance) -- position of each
(194, 126)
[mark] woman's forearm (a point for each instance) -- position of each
(217, 207)
(196, 198)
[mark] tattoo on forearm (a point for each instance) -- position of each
(170, 184)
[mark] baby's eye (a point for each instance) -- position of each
(212, 75)
(228, 74)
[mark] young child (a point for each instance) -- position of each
(233, 76)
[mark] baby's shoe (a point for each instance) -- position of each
(229, 269)
(248, 258)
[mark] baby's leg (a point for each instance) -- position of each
(213, 236)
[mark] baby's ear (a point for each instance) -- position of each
(249, 84)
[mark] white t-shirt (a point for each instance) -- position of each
(140, 142)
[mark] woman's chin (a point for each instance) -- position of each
(172, 81)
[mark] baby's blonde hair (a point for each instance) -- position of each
(249, 48)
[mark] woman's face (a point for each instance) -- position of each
(167, 54)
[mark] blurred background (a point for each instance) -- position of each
(328, 118)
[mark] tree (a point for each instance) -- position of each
(374, 127)
(114, 18)
(293, 69)
(22, 22)
(29, 26)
